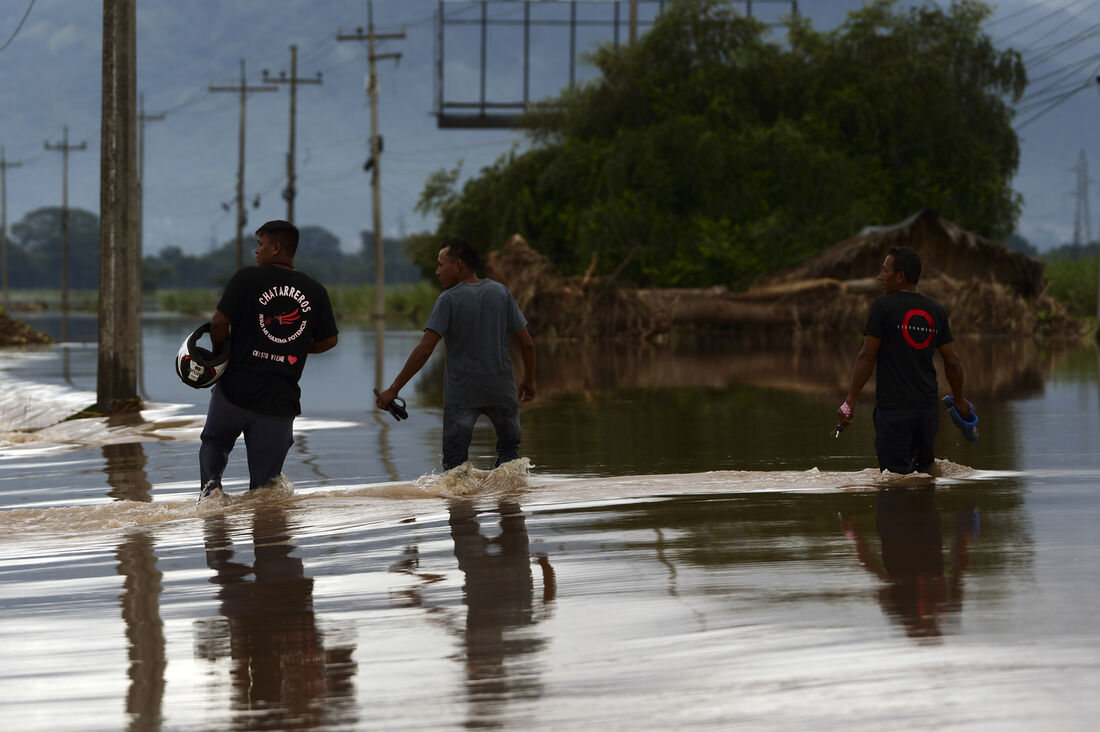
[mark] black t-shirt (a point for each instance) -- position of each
(275, 314)
(911, 328)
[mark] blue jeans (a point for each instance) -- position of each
(458, 430)
(267, 439)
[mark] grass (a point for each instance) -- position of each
(408, 301)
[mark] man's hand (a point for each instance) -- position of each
(845, 414)
(385, 398)
(963, 407)
(527, 391)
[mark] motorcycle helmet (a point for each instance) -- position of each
(198, 367)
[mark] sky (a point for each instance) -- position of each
(50, 77)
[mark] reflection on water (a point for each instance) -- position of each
(140, 602)
(281, 674)
(125, 463)
(999, 368)
(916, 590)
(500, 610)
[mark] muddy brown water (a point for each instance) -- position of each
(685, 545)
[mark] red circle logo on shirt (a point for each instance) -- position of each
(913, 331)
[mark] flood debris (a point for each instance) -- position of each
(986, 289)
(17, 333)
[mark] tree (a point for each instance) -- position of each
(707, 153)
(39, 235)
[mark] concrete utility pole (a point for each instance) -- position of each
(291, 189)
(243, 90)
(65, 148)
(374, 163)
(633, 21)
(116, 377)
(4, 165)
(142, 119)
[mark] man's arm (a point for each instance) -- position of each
(325, 345)
(219, 329)
(527, 351)
(865, 364)
(415, 362)
(953, 370)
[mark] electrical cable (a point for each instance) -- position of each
(18, 27)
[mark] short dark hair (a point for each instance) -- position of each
(459, 248)
(907, 261)
(283, 232)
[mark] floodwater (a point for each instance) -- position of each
(684, 545)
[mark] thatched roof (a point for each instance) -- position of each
(944, 247)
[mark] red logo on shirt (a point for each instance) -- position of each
(914, 331)
(288, 319)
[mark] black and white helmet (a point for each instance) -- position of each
(198, 367)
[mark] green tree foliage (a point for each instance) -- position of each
(35, 254)
(34, 257)
(709, 153)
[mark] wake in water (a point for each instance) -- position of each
(372, 502)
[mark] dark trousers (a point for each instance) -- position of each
(458, 430)
(267, 439)
(905, 438)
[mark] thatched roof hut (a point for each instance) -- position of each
(944, 247)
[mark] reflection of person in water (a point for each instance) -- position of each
(499, 594)
(280, 668)
(917, 591)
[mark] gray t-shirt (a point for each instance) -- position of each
(475, 321)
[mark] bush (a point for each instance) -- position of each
(1073, 283)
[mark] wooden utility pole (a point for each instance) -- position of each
(4, 165)
(116, 377)
(374, 163)
(243, 90)
(65, 148)
(633, 21)
(293, 80)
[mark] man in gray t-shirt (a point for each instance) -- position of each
(475, 318)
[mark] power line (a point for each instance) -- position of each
(18, 27)
(1057, 102)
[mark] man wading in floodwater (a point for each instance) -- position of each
(278, 316)
(474, 318)
(903, 331)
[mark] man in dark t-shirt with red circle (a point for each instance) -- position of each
(903, 332)
(278, 316)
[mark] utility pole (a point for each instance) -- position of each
(116, 376)
(4, 165)
(373, 164)
(291, 189)
(142, 118)
(633, 21)
(65, 148)
(243, 90)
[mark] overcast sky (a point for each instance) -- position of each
(50, 77)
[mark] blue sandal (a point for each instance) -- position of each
(968, 426)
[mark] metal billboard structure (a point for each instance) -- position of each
(611, 19)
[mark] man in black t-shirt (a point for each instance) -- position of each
(277, 315)
(902, 333)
